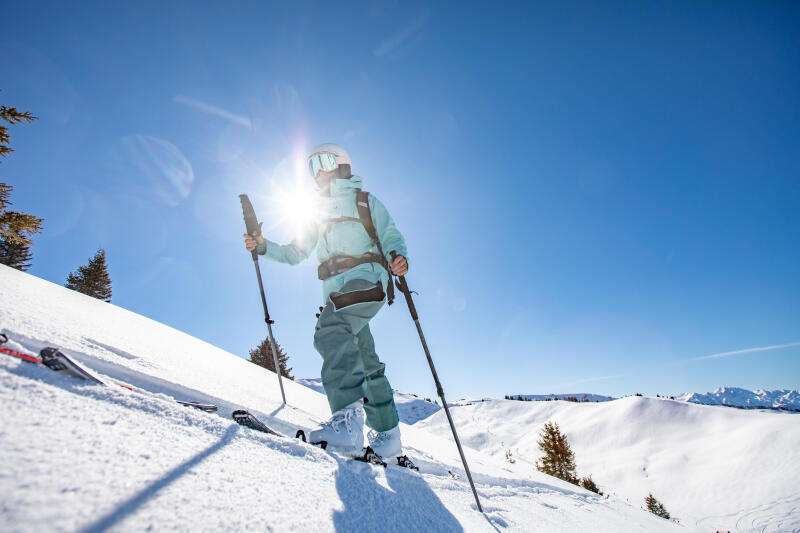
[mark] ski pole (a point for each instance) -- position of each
(403, 286)
(254, 229)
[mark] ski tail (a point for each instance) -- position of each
(55, 359)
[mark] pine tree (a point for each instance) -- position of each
(656, 507)
(92, 279)
(12, 116)
(16, 228)
(262, 356)
(15, 255)
(558, 460)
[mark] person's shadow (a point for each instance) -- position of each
(407, 504)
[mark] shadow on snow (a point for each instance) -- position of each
(407, 504)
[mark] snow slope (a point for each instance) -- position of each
(788, 399)
(80, 457)
(712, 467)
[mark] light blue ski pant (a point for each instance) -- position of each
(351, 369)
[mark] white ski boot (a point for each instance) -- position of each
(345, 429)
(387, 444)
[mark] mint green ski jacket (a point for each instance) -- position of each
(342, 238)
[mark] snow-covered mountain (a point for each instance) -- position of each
(788, 399)
(581, 397)
(81, 457)
(714, 468)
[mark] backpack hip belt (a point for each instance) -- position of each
(342, 263)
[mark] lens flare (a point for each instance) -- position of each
(154, 167)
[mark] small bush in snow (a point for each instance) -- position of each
(589, 484)
(656, 507)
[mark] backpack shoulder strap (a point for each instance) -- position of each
(364, 213)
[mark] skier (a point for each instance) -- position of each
(355, 260)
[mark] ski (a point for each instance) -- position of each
(58, 361)
(369, 455)
(55, 359)
(246, 419)
(207, 407)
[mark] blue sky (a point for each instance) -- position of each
(595, 195)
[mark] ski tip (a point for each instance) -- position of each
(3, 338)
(301, 435)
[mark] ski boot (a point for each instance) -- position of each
(387, 444)
(345, 429)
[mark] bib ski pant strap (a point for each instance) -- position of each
(351, 369)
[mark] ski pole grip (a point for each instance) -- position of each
(403, 286)
(250, 220)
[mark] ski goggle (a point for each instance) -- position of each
(324, 161)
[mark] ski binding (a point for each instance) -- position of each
(302, 436)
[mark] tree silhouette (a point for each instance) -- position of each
(262, 356)
(92, 279)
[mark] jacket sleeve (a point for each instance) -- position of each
(388, 234)
(294, 252)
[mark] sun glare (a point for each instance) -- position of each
(297, 205)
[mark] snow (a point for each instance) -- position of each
(712, 467)
(83, 457)
(788, 399)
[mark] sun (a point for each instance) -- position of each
(297, 204)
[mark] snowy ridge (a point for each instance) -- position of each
(581, 397)
(82, 457)
(786, 399)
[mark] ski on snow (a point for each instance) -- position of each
(368, 454)
(58, 361)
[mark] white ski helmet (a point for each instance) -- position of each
(340, 155)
